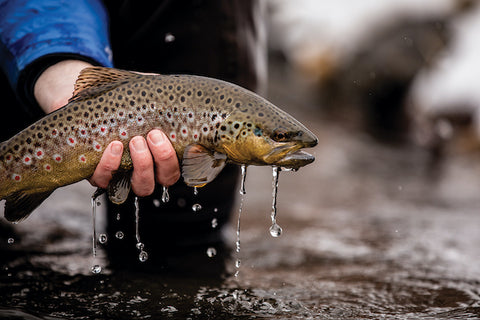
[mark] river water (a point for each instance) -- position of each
(369, 231)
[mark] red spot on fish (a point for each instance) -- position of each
(98, 147)
(71, 140)
(103, 129)
(47, 167)
(39, 153)
(57, 158)
(54, 132)
(173, 136)
(83, 132)
(8, 157)
(16, 177)
(82, 158)
(184, 131)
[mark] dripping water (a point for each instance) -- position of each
(95, 268)
(275, 229)
(165, 195)
(240, 210)
(195, 191)
(143, 255)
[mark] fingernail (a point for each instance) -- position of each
(156, 137)
(139, 144)
(116, 148)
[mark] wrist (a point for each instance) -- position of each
(55, 84)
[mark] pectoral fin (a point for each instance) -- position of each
(200, 165)
(119, 187)
(19, 205)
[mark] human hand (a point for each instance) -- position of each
(153, 158)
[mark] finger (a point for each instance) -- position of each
(167, 169)
(143, 178)
(110, 161)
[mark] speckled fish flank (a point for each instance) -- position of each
(208, 121)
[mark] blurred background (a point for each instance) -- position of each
(384, 224)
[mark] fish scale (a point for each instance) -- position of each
(208, 122)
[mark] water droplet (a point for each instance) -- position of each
(118, 216)
(275, 230)
(211, 252)
(197, 207)
(140, 246)
(165, 195)
(238, 262)
(96, 269)
(119, 235)
(143, 256)
(215, 210)
(102, 238)
(169, 37)
(10, 240)
(237, 245)
(156, 203)
(94, 230)
(214, 223)
(244, 176)
(195, 191)
(237, 273)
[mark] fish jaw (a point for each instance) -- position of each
(265, 151)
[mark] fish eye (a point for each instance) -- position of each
(280, 135)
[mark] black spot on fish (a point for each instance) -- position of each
(213, 117)
(171, 97)
(207, 101)
(40, 135)
(182, 99)
(110, 93)
(60, 124)
(120, 97)
(144, 93)
(44, 122)
(222, 97)
(238, 104)
(101, 99)
(223, 128)
(129, 92)
(199, 93)
(55, 117)
(98, 106)
(69, 118)
(105, 109)
(189, 93)
(179, 88)
(170, 87)
(159, 90)
(86, 114)
(229, 100)
(16, 147)
(260, 114)
(29, 140)
(236, 126)
(132, 103)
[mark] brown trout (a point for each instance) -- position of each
(208, 121)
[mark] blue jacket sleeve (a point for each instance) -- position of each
(32, 29)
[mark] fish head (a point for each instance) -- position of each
(259, 133)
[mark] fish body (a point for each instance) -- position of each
(208, 121)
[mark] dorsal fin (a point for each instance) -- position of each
(95, 80)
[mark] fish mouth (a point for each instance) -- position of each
(295, 160)
(289, 156)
